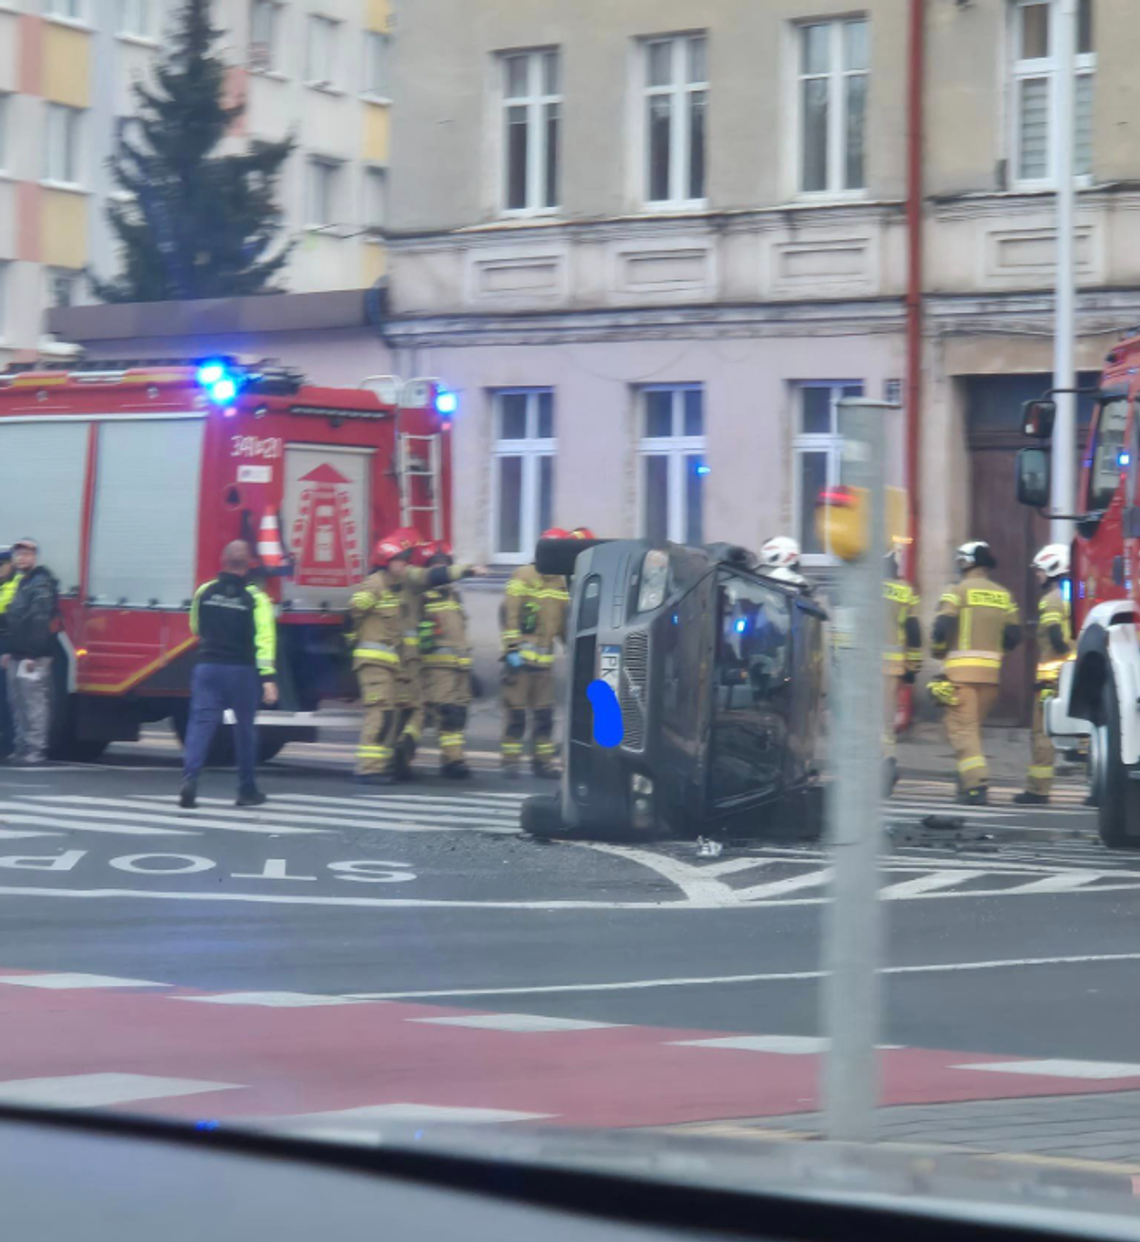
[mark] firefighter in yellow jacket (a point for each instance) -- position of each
(533, 616)
(976, 624)
(381, 607)
(445, 655)
(902, 653)
(1054, 647)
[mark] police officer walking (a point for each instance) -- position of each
(237, 649)
(383, 609)
(1054, 647)
(977, 623)
(902, 652)
(533, 616)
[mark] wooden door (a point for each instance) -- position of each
(1015, 532)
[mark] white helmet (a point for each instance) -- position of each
(1052, 560)
(976, 552)
(782, 574)
(780, 552)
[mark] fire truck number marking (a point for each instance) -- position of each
(253, 446)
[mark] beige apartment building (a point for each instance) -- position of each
(315, 68)
(652, 244)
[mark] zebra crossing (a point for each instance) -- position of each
(286, 815)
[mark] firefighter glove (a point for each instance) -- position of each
(943, 693)
(514, 660)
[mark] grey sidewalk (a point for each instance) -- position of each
(924, 752)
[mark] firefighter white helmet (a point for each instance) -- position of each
(976, 553)
(1052, 560)
(780, 552)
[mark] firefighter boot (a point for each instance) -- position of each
(457, 770)
(977, 796)
(405, 753)
(1028, 798)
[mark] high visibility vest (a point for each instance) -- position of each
(981, 610)
(902, 603)
(1052, 610)
(534, 615)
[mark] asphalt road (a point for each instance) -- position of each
(424, 905)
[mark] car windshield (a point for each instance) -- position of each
(516, 622)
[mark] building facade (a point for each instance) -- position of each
(319, 71)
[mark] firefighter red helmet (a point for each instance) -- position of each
(582, 532)
(555, 532)
(399, 542)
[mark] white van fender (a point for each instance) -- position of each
(1108, 642)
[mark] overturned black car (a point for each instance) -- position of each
(718, 673)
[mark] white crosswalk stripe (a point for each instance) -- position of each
(283, 815)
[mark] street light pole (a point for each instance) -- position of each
(1063, 134)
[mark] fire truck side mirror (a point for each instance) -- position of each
(1037, 418)
(1033, 477)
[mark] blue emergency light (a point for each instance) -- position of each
(741, 625)
(1122, 459)
(446, 402)
(218, 381)
(703, 469)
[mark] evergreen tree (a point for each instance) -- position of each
(196, 225)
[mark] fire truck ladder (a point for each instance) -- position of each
(419, 457)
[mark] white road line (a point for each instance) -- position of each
(791, 976)
(691, 880)
(522, 1023)
(1064, 883)
(1097, 1070)
(45, 819)
(927, 884)
(243, 821)
(67, 981)
(270, 822)
(101, 1090)
(784, 1045)
(359, 1124)
(776, 888)
(271, 1000)
(403, 808)
(11, 834)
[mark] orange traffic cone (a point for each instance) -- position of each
(269, 549)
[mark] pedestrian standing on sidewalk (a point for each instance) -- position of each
(32, 619)
(237, 635)
(8, 586)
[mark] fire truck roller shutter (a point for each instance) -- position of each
(144, 535)
(44, 463)
(325, 523)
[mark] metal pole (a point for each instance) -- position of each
(853, 918)
(1062, 131)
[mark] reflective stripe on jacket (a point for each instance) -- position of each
(902, 605)
(534, 615)
(1052, 614)
(980, 611)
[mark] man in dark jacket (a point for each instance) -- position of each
(237, 648)
(31, 624)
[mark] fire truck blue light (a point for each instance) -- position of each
(210, 372)
(703, 469)
(446, 402)
(223, 390)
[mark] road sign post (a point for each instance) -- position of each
(853, 918)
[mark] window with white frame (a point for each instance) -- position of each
(833, 75)
(817, 451)
(265, 17)
(63, 286)
(135, 17)
(532, 118)
(1034, 94)
(321, 50)
(61, 148)
(375, 198)
(72, 9)
(375, 64)
(523, 474)
(672, 462)
(322, 198)
(676, 100)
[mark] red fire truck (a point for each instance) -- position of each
(133, 476)
(1098, 696)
